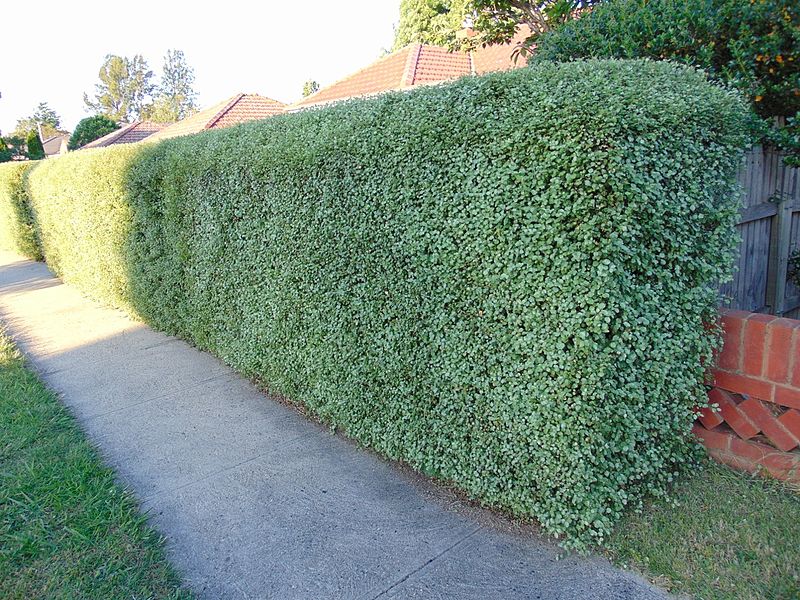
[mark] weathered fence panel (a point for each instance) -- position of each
(770, 231)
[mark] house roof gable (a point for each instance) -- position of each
(414, 65)
(239, 108)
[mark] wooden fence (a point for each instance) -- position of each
(770, 232)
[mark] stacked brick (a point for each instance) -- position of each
(756, 389)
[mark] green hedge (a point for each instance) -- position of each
(502, 281)
(17, 228)
(83, 215)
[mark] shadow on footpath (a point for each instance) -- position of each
(255, 500)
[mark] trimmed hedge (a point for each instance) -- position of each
(83, 215)
(17, 228)
(502, 281)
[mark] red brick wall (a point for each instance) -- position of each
(756, 387)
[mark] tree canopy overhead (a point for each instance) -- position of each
(430, 22)
(438, 22)
(496, 21)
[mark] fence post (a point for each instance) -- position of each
(780, 240)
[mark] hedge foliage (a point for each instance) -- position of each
(502, 281)
(83, 215)
(17, 228)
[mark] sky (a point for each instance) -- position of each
(269, 47)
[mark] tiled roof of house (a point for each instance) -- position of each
(434, 64)
(387, 73)
(127, 134)
(416, 64)
(236, 109)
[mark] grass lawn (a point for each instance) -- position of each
(67, 529)
(731, 536)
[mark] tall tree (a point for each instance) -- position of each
(310, 87)
(124, 89)
(43, 116)
(430, 22)
(176, 98)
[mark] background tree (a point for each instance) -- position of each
(90, 129)
(16, 144)
(752, 46)
(5, 151)
(310, 87)
(44, 115)
(176, 98)
(430, 22)
(124, 89)
(34, 145)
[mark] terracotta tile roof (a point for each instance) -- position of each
(249, 107)
(236, 109)
(436, 64)
(127, 134)
(416, 64)
(387, 73)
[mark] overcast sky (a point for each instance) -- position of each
(269, 47)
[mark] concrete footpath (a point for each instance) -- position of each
(255, 500)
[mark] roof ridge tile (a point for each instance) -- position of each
(412, 60)
(233, 101)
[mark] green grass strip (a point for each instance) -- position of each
(725, 535)
(67, 528)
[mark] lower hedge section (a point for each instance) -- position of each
(17, 228)
(502, 281)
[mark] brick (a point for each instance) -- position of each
(795, 360)
(732, 326)
(784, 465)
(780, 334)
(761, 318)
(754, 344)
(787, 396)
(741, 384)
(736, 462)
(781, 437)
(754, 451)
(729, 409)
(734, 313)
(791, 420)
(710, 418)
(712, 439)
